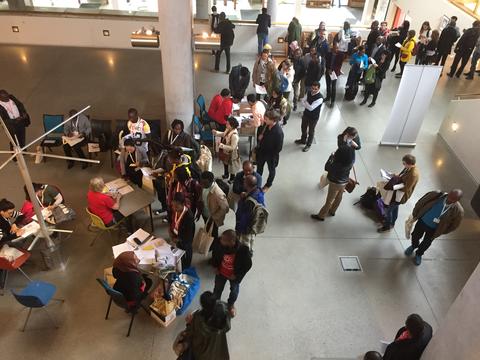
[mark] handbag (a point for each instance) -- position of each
(61, 213)
(370, 75)
(352, 183)
(203, 239)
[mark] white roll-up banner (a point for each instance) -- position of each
(411, 104)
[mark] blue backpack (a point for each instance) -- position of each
(283, 83)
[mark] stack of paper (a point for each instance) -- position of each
(141, 237)
(260, 90)
(120, 186)
(30, 229)
(72, 140)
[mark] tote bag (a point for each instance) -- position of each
(203, 240)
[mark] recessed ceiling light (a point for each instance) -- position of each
(106, 32)
(15, 29)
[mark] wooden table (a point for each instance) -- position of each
(246, 131)
(136, 200)
(207, 41)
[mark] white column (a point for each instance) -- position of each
(272, 9)
(298, 9)
(367, 12)
(175, 26)
(202, 9)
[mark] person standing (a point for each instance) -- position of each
(313, 104)
(238, 188)
(404, 182)
(359, 63)
(232, 261)
(431, 48)
(137, 127)
(423, 39)
(238, 81)
(315, 70)
(319, 39)
(229, 148)
(464, 49)
(270, 144)
(220, 109)
(176, 136)
(437, 213)
(225, 29)
(288, 72)
(372, 37)
(384, 31)
(343, 39)
(475, 58)
(15, 117)
(373, 88)
(349, 138)
(338, 176)
(182, 228)
(447, 38)
(278, 102)
(294, 33)
(406, 51)
(77, 127)
(264, 22)
(263, 71)
(245, 211)
(378, 49)
(298, 84)
(397, 36)
(214, 20)
(333, 64)
(258, 110)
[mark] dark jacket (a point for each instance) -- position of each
(128, 283)
(371, 39)
(238, 182)
(339, 172)
(6, 226)
(184, 140)
(225, 29)
(341, 142)
(21, 109)
(244, 213)
(314, 72)
(334, 64)
(272, 142)
(264, 22)
(294, 32)
(447, 39)
(238, 84)
(311, 98)
(381, 50)
(186, 231)
(300, 69)
(214, 20)
(243, 260)
(410, 349)
(467, 42)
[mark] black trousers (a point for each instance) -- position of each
(331, 88)
(272, 164)
(160, 187)
(308, 125)
(371, 89)
(422, 230)
(396, 53)
(464, 57)
(402, 66)
(217, 57)
(67, 149)
(19, 131)
(441, 59)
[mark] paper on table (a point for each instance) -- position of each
(72, 141)
(385, 174)
(30, 229)
(125, 190)
(116, 184)
(333, 76)
(118, 249)
(260, 89)
(147, 171)
(398, 45)
(140, 234)
(46, 213)
(146, 257)
(236, 107)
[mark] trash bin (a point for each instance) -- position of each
(52, 257)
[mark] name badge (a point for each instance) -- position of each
(436, 220)
(175, 231)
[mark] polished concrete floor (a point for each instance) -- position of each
(296, 303)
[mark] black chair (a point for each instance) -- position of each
(102, 134)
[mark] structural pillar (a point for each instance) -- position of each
(272, 9)
(298, 9)
(367, 12)
(202, 9)
(176, 46)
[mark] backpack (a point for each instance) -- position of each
(415, 48)
(372, 200)
(223, 186)
(283, 83)
(259, 218)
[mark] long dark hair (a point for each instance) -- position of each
(219, 317)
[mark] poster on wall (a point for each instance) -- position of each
(444, 21)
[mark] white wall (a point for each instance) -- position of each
(457, 336)
(464, 141)
(432, 11)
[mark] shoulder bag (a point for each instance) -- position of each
(223, 155)
(352, 183)
(253, 153)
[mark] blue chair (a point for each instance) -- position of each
(54, 139)
(37, 294)
(202, 109)
(118, 298)
(204, 131)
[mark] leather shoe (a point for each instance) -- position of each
(300, 142)
(316, 217)
(306, 148)
(409, 250)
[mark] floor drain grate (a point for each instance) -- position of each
(350, 263)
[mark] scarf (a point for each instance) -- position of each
(126, 262)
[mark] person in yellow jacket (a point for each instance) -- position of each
(406, 51)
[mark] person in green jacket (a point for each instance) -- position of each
(294, 32)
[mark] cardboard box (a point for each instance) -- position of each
(162, 320)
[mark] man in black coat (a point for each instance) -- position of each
(238, 81)
(264, 22)
(16, 118)
(410, 341)
(447, 38)
(270, 144)
(464, 49)
(225, 29)
(372, 37)
(232, 261)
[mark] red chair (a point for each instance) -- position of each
(14, 265)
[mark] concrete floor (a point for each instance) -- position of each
(296, 303)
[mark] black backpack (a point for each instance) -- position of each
(369, 199)
(223, 185)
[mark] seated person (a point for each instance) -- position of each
(105, 205)
(130, 282)
(182, 228)
(220, 109)
(410, 340)
(27, 208)
(77, 127)
(132, 159)
(10, 220)
(238, 189)
(178, 137)
(47, 195)
(258, 110)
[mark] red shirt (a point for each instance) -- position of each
(220, 109)
(226, 267)
(101, 205)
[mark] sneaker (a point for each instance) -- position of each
(363, 102)
(418, 260)
(384, 229)
(316, 217)
(306, 148)
(331, 213)
(469, 77)
(408, 251)
(300, 142)
(371, 105)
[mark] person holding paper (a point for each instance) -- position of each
(258, 110)
(333, 64)
(77, 128)
(47, 195)
(137, 127)
(396, 36)
(130, 282)
(263, 71)
(404, 182)
(178, 137)
(228, 149)
(221, 108)
(313, 104)
(373, 88)
(359, 64)
(10, 220)
(406, 51)
(182, 228)
(132, 159)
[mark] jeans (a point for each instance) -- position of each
(217, 57)
(308, 125)
(473, 66)
(262, 40)
(220, 282)
(421, 229)
(331, 88)
(272, 164)
(391, 214)
(334, 198)
(459, 56)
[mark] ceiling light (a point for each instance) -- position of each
(106, 32)
(15, 29)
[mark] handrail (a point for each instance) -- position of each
(467, 96)
(252, 22)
